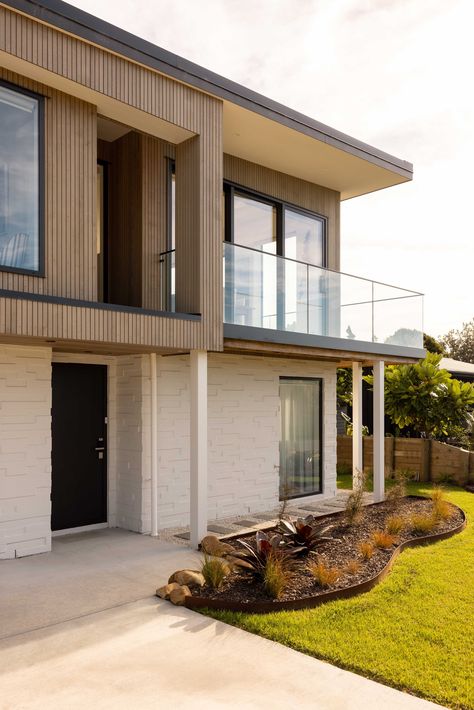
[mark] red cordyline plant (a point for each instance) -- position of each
(264, 547)
(302, 534)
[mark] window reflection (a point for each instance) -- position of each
(19, 180)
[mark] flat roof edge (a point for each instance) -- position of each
(92, 29)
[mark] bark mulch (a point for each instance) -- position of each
(342, 549)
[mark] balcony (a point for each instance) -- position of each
(269, 297)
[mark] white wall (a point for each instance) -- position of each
(129, 443)
(25, 450)
(244, 433)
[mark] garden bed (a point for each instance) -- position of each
(240, 591)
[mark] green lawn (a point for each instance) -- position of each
(415, 631)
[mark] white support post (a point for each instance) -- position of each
(379, 432)
(357, 454)
(198, 447)
(154, 444)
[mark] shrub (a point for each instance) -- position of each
(441, 508)
(264, 546)
(367, 550)
(352, 567)
(422, 524)
(355, 502)
(394, 524)
(399, 489)
(275, 575)
(382, 540)
(324, 575)
(303, 534)
(214, 570)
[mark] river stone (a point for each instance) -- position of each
(178, 595)
(164, 592)
(189, 577)
(211, 545)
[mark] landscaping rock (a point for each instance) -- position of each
(164, 592)
(237, 562)
(189, 577)
(211, 545)
(178, 595)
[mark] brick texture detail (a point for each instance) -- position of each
(25, 450)
(244, 433)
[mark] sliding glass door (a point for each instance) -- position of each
(301, 433)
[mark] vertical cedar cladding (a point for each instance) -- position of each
(70, 181)
(293, 190)
(71, 150)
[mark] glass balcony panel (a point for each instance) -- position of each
(294, 296)
(355, 308)
(397, 316)
(263, 290)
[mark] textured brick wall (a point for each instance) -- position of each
(25, 450)
(244, 433)
(129, 443)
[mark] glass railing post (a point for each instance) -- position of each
(373, 314)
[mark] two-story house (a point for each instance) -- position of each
(172, 313)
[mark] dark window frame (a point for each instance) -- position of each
(40, 98)
(280, 205)
(170, 172)
(295, 378)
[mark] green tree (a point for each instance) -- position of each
(432, 345)
(344, 385)
(426, 400)
(459, 344)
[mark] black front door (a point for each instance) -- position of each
(79, 487)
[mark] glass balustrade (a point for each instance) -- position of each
(262, 290)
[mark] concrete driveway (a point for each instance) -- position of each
(74, 637)
(84, 573)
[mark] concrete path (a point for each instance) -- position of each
(81, 630)
(150, 655)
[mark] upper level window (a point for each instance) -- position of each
(272, 226)
(20, 189)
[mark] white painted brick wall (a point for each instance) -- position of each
(244, 433)
(25, 450)
(129, 443)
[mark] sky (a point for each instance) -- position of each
(396, 74)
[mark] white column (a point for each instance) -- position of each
(379, 432)
(198, 446)
(154, 444)
(357, 458)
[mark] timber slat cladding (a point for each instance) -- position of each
(36, 319)
(293, 190)
(70, 175)
(70, 192)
